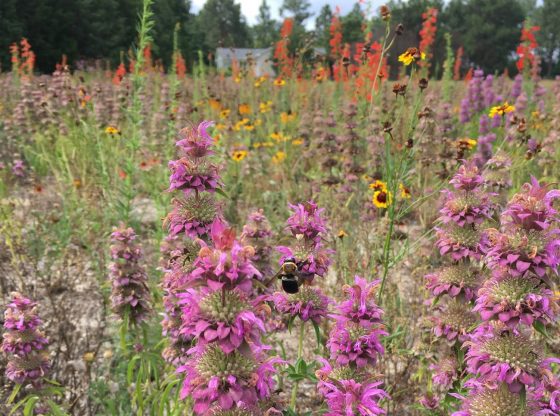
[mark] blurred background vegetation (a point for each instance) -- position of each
(102, 30)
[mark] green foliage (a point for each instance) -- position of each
(265, 32)
(547, 17)
(322, 27)
(352, 25)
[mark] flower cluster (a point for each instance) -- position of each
(191, 218)
(508, 366)
(464, 212)
(214, 321)
(349, 385)
(24, 343)
(308, 226)
(130, 296)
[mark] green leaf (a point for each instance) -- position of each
(540, 328)
(56, 410)
(317, 333)
(15, 391)
(130, 368)
(30, 405)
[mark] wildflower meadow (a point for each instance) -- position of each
(365, 227)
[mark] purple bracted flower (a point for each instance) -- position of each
(498, 355)
(494, 402)
(130, 293)
(23, 343)
(216, 380)
(195, 141)
(308, 304)
(516, 299)
(455, 280)
(191, 215)
(453, 321)
(350, 342)
(307, 220)
(191, 177)
(444, 372)
(348, 392)
(224, 262)
(224, 318)
(360, 307)
(532, 208)
(467, 177)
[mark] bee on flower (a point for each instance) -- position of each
(501, 110)
(239, 155)
(411, 55)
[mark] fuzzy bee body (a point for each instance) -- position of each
(289, 276)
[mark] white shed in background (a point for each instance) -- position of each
(262, 59)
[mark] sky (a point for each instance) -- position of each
(250, 8)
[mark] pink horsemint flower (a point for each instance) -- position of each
(195, 141)
(498, 355)
(223, 263)
(191, 216)
(257, 233)
(495, 402)
(18, 168)
(227, 319)
(360, 307)
(523, 251)
(309, 304)
(467, 178)
(348, 391)
(355, 338)
(130, 295)
(307, 220)
(454, 280)
(516, 299)
(532, 208)
(191, 177)
(23, 343)
(453, 321)
(217, 381)
(445, 372)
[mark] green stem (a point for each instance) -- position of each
(299, 356)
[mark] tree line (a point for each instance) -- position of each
(488, 31)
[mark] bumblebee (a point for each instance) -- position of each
(290, 276)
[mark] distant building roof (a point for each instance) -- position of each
(261, 58)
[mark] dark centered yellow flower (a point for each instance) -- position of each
(239, 155)
(500, 110)
(411, 55)
(382, 199)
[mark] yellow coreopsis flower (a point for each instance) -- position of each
(244, 108)
(239, 155)
(405, 192)
(279, 157)
(276, 136)
(112, 130)
(378, 186)
(279, 82)
(249, 127)
(265, 107)
(225, 113)
(287, 116)
(382, 199)
(501, 110)
(411, 55)
(297, 142)
(466, 143)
